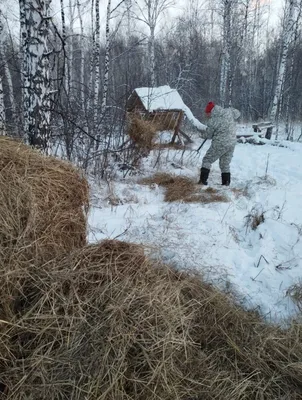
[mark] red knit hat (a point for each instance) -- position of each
(209, 107)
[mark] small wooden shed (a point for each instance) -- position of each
(163, 106)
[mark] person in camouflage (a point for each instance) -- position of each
(222, 131)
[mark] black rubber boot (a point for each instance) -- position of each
(226, 178)
(204, 174)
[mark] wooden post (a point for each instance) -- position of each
(176, 130)
(269, 132)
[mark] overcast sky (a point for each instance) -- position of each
(11, 10)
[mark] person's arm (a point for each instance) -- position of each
(208, 133)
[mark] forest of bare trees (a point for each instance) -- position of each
(67, 70)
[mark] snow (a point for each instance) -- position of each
(259, 265)
(165, 98)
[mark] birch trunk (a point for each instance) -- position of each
(102, 131)
(107, 60)
(92, 61)
(225, 57)
(7, 74)
(97, 67)
(70, 47)
(288, 131)
(82, 59)
(65, 66)
(151, 49)
(34, 16)
(2, 109)
(287, 34)
(151, 41)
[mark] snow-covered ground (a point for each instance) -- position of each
(260, 265)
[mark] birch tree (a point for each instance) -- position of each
(149, 12)
(34, 19)
(286, 38)
(107, 60)
(2, 109)
(65, 66)
(92, 58)
(103, 125)
(70, 43)
(226, 49)
(6, 72)
(2, 106)
(82, 57)
(290, 74)
(96, 57)
(109, 38)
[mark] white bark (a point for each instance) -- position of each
(287, 34)
(150, 12)
(2, 109)
(288, 131)
(70, 47)
(82, 59)
(96, 54)
(34, 16)
(151, 48)
(92, 60)
(6, 70)
(107, 60)
(225, 56)
(65, 64)
(103, 122)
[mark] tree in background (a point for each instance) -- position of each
(286, 38)
(2, 109)
(34, 19)
(149, 12)
(223, 50)
(7, 77)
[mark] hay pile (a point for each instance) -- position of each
(182, 188)
(42, 203)
(104, 323)
(142, 133)
(165, 121)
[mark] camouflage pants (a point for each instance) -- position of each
(223, 153)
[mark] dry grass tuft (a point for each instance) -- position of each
(182, 188)
(255, 218)
(142, 133)
(105, 323)
(295, 293)
(42, 203)
(239, 192)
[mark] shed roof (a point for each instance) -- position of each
(165, 98)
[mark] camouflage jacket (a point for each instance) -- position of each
(222, 126)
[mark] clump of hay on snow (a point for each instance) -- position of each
(182, 188)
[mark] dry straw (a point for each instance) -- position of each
(142, 133)
(182, 188)
(42, 203)
(105, 323)
(102, 322)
